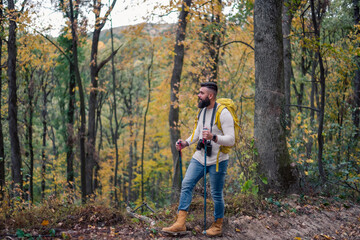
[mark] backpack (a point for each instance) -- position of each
(230, 106)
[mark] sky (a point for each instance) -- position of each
(125, 12)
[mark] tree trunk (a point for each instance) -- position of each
(73, 21)
(269, 118)
(144, 129)
(356, 114)
(43, 152)
(70, 129)
(312, 106)
(288, 71)
(322, 94)
(98, 123)
(174, 99)
(30, 84)
(114, 134)
(2, 153)
(130, 165)
(56, 155)
(13, 129)
(94, 71)
(213, 41)
(304, 68)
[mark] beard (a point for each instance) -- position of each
(204, 103)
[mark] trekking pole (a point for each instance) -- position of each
(205, 148)
(180, 161)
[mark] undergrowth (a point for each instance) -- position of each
(54, 214)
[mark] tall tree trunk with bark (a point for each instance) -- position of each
(309, 144)
(2, 152)
(269, 119)
(287, 16)
(322, 93)
(174, 99)
(144, 129)
(131, 162)
(356, 114)
(114, 133)
(56, 155)
(73, 14)
(44, 133)
(94, 72)
(70, 128)
(11, 72)
(30, 109)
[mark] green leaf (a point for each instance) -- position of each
(264, 180)
(20, 233)
(52, 232)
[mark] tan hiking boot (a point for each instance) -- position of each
(215, 229)
(179, 225)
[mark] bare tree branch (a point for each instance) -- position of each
(238, 41)
(102, 64)
(299, 106)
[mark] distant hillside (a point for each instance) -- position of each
(149, 28)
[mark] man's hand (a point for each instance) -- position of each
(207, 135)
(180, 144)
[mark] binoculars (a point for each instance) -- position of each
(201, 144)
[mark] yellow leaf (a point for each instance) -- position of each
(45, 223)
(297, 238)
(306, 173)
(326, 236)
(237, 230)
(309, 161)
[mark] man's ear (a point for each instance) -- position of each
(211, 96)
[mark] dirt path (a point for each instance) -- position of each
(309, 222)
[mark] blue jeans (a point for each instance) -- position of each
(194, 173)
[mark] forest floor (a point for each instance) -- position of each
(294, 217)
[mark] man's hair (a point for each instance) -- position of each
(210, 85)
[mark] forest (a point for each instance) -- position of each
(90, 118)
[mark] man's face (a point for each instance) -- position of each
(203, 96)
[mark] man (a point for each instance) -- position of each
(206, 130)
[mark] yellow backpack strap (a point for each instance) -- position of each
(217, 116)
(196, 123)
(218, 124)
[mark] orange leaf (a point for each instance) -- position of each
(45, 223)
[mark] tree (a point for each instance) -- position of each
(72, 13)
(114, 114)
(29, 122)
(2, 153)
(13, 116)
(322, 92)
(44, 113)
(289, 8)
(356, 114)
(174, 91)
(212, 34)
(269, 119)
(94, 69)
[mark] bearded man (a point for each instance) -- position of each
(206, 133)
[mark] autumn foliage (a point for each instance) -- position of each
(219, 46)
